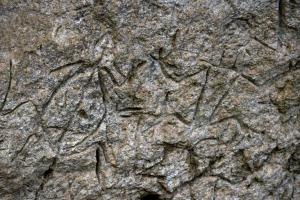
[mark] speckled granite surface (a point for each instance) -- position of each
(149, 99)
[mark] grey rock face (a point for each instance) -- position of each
(149, 99)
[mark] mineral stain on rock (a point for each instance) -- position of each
(149, 99)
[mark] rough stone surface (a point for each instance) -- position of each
(149, 99)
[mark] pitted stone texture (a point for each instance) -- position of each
(172, 99)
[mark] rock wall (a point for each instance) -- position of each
(149, 99)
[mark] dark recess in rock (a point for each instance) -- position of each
(150, 197)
